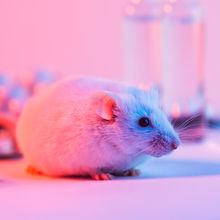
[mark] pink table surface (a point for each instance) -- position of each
(184, 185)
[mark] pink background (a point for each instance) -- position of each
(80, 37)
(71, 36)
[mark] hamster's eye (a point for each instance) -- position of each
(144, 122)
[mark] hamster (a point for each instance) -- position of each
(93, 127)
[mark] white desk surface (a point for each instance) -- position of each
(184, 185)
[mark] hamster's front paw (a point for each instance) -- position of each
(32, 170)
(130, 172)
(102, 176)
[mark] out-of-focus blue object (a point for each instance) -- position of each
(41, 80)
(44, 76)
(16, 100)
(5, 84)
(4, 80)
(19, 92)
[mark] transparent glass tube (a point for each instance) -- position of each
(142, 32)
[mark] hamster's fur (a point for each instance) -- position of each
(90, 126)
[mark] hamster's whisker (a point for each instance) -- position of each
(184, 124)
(186, 137)
(190, 119)
(153, 143)
(190, 127)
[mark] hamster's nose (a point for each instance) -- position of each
(174, 145)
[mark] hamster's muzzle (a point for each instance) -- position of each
(172, 144)
(161, 145)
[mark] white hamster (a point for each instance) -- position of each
(93, 127)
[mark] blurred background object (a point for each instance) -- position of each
(14, 94)
(8, 146)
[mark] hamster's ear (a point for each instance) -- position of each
(105, 105)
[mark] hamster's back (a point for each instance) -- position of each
(53, 115)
